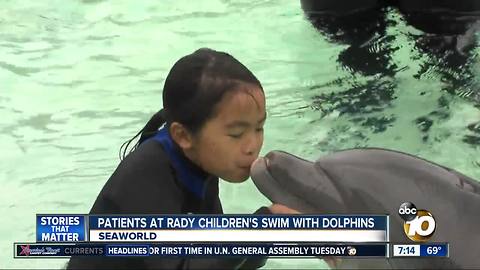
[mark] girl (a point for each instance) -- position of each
(211, 127)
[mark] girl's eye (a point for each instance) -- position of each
(236, 136)
(259, 129)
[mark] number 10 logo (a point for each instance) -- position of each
(419, 225)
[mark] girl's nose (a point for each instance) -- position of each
(252, 145)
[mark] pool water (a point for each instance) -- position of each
(78, 78)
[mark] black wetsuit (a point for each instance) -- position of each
(157, 179)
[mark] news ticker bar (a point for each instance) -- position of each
(44, 250)
(421, 250)
(212, 228)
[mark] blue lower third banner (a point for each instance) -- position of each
(35, 250)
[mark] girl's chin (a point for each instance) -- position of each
(239, 178)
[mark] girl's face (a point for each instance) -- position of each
(229, 142)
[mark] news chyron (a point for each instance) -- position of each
(419, 224)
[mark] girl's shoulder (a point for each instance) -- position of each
(149, 161)
(148, 155)
(142, 182)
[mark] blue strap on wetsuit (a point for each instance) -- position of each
(190, 175)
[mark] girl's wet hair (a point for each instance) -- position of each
(195, 84)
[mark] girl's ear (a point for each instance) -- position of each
(181, 135)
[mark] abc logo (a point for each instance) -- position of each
(419, 225)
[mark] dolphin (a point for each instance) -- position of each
(378, 181)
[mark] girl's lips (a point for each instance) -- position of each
(248, 165)
(245, 167)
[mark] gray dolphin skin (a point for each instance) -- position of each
(378, 181)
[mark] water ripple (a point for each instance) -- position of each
(18, 70)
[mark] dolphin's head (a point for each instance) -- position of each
(375, 181)
(295, 182)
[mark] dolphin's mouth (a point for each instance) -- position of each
(274, 189)
(260, 161)
(260, 169)
(263, 179)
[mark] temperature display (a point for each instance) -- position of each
(438, 250)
